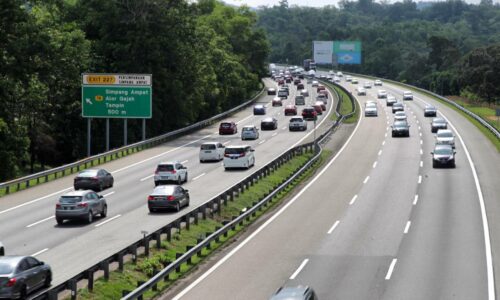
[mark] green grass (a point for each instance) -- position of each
(143, 269)
(345, 107)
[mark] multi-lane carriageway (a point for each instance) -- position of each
(28, 226)
(378, 222)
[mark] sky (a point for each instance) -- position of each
(311, 3)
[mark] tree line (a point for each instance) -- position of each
(205, 57)
(451, 47)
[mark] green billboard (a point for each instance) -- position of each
(100, 101)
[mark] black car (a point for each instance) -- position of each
(168, 196)
(269, 124)
(438, 123)
(400, 128)
(398, 106)
(309, 113)
(21, 275)
(93, 179)
(259, 109)
(430, 111)
(443, 156)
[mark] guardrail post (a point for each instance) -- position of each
(139, 283)
(187, 250)
(231, 195)
(157, 237)
(217, 228)
(120, 261)
(133, 249)
(72, 287)
(155, 286)
(224, 223)
(90, 280)
(169, 233)
(188, 219)
(209, 243)
(145, 242)
(52, 295)
(204, 212)
(224, 199)
(219, 204)
(177, 255)
(198, 241)
(105, 268)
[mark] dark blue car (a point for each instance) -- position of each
(259, 109)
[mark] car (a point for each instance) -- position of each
(294, 293)
(315, 83)
(446, 137)
(317, 108)
(371, 109)
(321, 104)
(228, 128)
(304, 93)
(348, 78)
(361, 91)
(400, 128)
(170, 171)
(443, 156)
(354, 80)
(309, 80)
(339, 74)
(301, 76)
(281, 81)
(94, 179)
(290, 110)
(407, 95)
(286, 88)
(277, 102)
(320, 88)
(390, 100)
(22, 275)
(240, 156)
(211, 151)
(249, 132)
(382, 94)
(296, 81)
(283, 94)
(259, 109)
(2, 249)
(271, 91)
(309, 113)
(336, 79)
(430, 111)
(398, 106)
(300, 86)
(288, 79)
(323, 92)
(377, 82)
(322, 98)
(438, 123)
(367, 85)
(270, 123)
(297, 123)
(400, 116)
(82, 205)
(331, 72)
(168, 196)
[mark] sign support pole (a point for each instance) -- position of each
(125, 132)
(107, 134)
(88, 136)
(143, 129)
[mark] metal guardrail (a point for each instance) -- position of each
(116, 153)
(424, 91)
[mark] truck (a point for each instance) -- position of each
(309, 64)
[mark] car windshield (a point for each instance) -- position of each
(70, 199)
(445, 134)
(207, 147)
(5, 268)
(164, 168)
(88, 173)
(443, 151)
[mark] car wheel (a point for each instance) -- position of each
(177, 207)
(104, 211)
(23, 293)
(156, 183)
(90, 217)
(59, 221)
(179, 181)
(48, 280)
(187, 203)
(186, 179)
(201, 160)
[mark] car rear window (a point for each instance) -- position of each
(164, 190)
(70, 199)
(5, 268)
(296, 120)
(88, 173)
(225, 125)
(234, 150)
(163, 168)
(207, 147)
(247, 129)
(445, 134)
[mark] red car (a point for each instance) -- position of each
(300, 86)
(281, 81)
(324, 92)
(290, 110)
(296, 81)
(277, 101)
(320, 88)
(228, 128)
(318, 109)
(309, 113)
(321, 104)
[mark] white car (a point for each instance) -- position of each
(400, 116)
(390, 100)
(315, 83)
(297, 123)
(336, 79)
(378, 82)
(211, 151)
(348, 78)
(445, 136)
(407, 95)
(331, 72)
(371, 109)
(304, 93)
(339, 74)
(361, 91)
(367, 85)
(354, 80)
(241, 156)
(249, 132)
(170, 171)
(381, 94)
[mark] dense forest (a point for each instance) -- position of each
(204, 57)
(451, 47)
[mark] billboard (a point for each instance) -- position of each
(347, 52)
(323, 52)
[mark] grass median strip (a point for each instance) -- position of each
(145, 267)
(345, 107)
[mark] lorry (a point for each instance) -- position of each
(309, 64)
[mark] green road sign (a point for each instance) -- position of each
(346, 46)
(116, 101)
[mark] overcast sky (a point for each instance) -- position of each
(313, 3)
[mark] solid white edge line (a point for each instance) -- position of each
(391, 269)
(407, 227)
(272, 218)
(35, 200)
(302, 265)
(197, 177)
(353, 199)
(366, 179)
(415, 200)
(40, 252)
(108, 220)
(333, 227)
(41, 221)
(146, 178)
(109, 194)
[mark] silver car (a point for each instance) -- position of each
(249, 132)
(21, 275)
(445, 137)
(83, 205)
(168, 196)
(400, 116)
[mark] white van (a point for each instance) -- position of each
(240, 156)
(211, 151)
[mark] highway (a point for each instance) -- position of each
(28, 223)
(378, 222)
